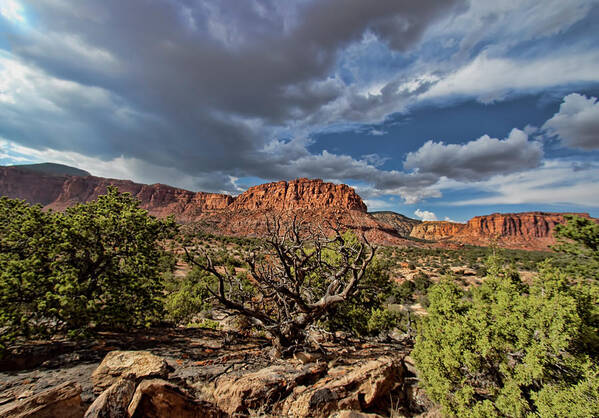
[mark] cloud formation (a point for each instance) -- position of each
(556, 182)
(202, 93)
(425, 215)
(478, 159)
(577, 122)
(201, 86)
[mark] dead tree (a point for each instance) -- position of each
(299, 276)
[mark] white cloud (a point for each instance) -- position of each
(425, 215)
(577, 122)
(478, 159)
(377, 132)
(12, 10)
(555, 182)
(490, 79)
(377, 204)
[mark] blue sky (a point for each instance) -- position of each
(435, 109)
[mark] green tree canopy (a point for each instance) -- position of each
(512, 349)
(99, 264)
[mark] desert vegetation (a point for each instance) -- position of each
(494, 332)
(97, 265)
(509, 348)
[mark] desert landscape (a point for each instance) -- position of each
(299, 208)
(209, 353)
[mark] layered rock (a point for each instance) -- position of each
(437, 230)
(31, 186)
(243, 215)
(526, 230)
(318, 201)
(61, 401)
(402, 224)
(158, 199)
(299, 194)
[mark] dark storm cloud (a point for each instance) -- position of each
(198, 85)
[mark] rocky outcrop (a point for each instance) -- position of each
(114, 401)
(299, 194)
(34, 187)
(526, 230)
(157, 398)
(402, 224)
(210, 377)
(318, 201)
(158, 199)
(61, 401)
(127, 364)
(354, 387)
(238, 393)
(437, 230)
(242, 215)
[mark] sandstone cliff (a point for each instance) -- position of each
(437, 230)
(160, 200)
(245, 215)
(526, 230)
(299, 194)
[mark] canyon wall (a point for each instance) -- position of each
(318, 201)
(526, 230)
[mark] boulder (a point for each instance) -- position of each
(157, 398)
(134, 364)
(113, 402)
(61, 401)
(353, 414)
(255, 390)
(354, 387)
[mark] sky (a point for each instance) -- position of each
(436, 109)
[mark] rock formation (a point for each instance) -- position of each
(402, 224)
(206, 376)
(299, 194)
(245, 215)
(526, 230)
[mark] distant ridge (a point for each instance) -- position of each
(401, 223)
(53, 168)
(56, 187)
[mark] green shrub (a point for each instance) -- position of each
(97, 265)
(186, 296)
(511, 349)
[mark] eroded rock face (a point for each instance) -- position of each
(134, 365)
(436, 230)
(527, 230)
(236, 393)
(31, 186)
(61, 401)
(114, 401)
(299, 194)
(157, 398)
(402, 224)
(355, 387)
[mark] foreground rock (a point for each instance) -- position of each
(62, 401)
(127, 364)
(193, 373)
(114, 401)
(158, 398)
(255, 390)
(353, 387)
